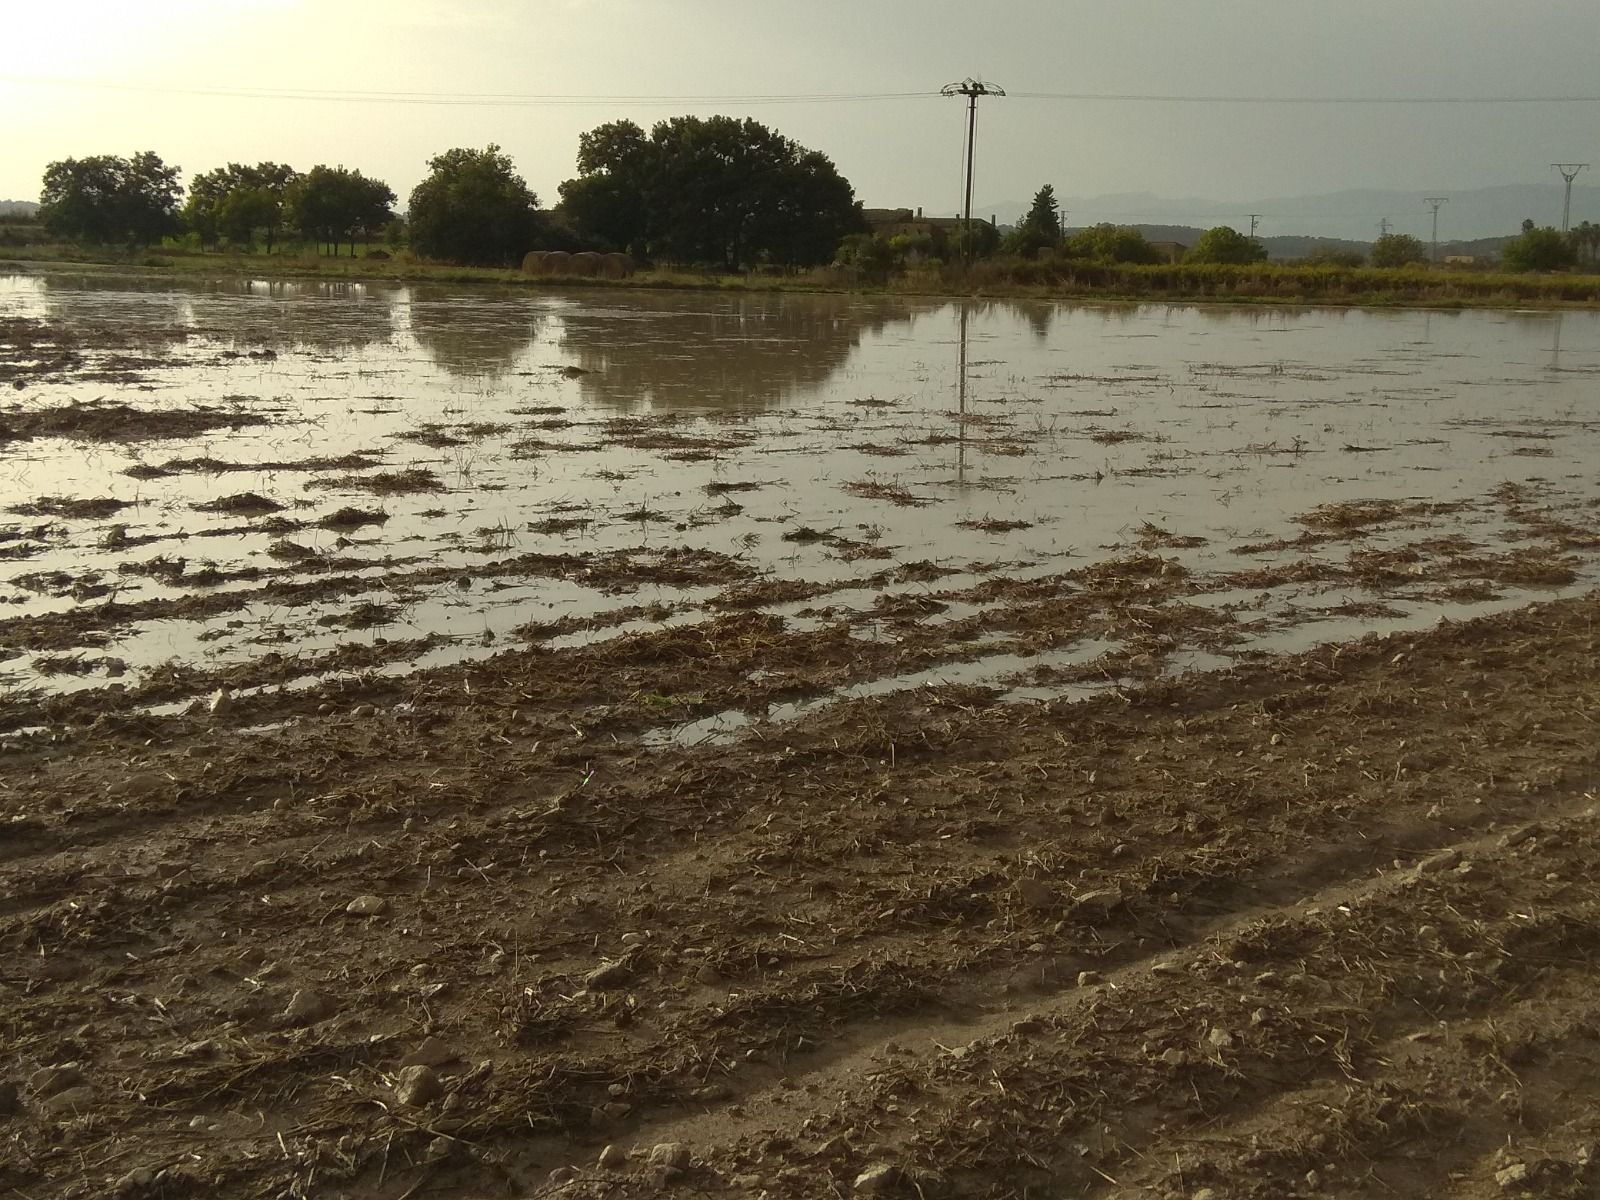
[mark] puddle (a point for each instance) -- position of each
(298, 467)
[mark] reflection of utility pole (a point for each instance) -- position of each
(961, 401)
(1254, 218)
(1569, 172)
(1434, 202)
(971, 89)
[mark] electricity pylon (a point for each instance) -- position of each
(1434, 202)
(1569, 172)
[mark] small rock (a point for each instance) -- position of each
(48, 1081)
(72, 1102)
(1205, 1194)
(1098, 903)
(1313, 1179)
(1445, 860)
(615, 1110)
(608, 975)
(1513, 1176)
(135, 1181)
(209, 1048)
(1174, 1057)
(307, 1008)
(1036, 893)
(367, 906)
(1220, 1038)
(363, 710)
(1166, 968)
(221, 702)
(669, 1154)
(711, 1093)
(1517, 836)
(708, 975)
(417, 1085)
(878, 1179)
(431, 1053)
(635, 939)
(563, 1175)
(613, 1158)
(1088, 978)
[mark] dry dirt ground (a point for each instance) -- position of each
(1323, 925)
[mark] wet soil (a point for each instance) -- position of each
(1201, 812)
(1327, 918)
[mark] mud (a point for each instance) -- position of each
(1225, 825)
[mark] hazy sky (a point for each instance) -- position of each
(895, 151)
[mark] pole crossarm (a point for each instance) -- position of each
(972, 87)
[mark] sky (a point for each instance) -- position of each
(204, 82)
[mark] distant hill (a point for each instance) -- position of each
(1469, 215)
(18, 208)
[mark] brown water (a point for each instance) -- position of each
(870, 431)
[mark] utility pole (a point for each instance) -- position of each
(1434, 202)
(1254, 218)
(971, 89)
(1383, 227)
(1569, 172)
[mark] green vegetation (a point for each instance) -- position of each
(1110, 244)
(332, 205)
(1225, 244)
(237, 201)
(475, 209)
(1040, 229)
(708, 190)
(1539, 250)
(110, 201)
(1398, 250)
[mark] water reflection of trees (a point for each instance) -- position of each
(475, 334)
(672, 351)
(241, 314)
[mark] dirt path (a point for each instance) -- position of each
(1321, 927)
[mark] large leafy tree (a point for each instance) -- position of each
(107, 200)
(1040, 228)
(333, 205)
(1538, 249)
(473, 208)
(238, 201)
(1398, 250)
(1111, 243)
(714, 190)
(1225, 244)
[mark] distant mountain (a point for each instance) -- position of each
(1494, 212)
(18, 208)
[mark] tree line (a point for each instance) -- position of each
(716, 191)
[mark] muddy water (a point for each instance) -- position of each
(624, 458)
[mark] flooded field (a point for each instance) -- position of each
(250, 484)
(461, 743)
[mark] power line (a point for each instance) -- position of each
(1182, 98)
(555, 99)
(464, 99)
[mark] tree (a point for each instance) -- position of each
(1538, 250)
(106, 200)
(1224, 244)
(236, 201)
(332, 205)
(1040, 228)
(711, 190)
(473, 208)
(1398, 250)
(1112, 244)
(1585, 238)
